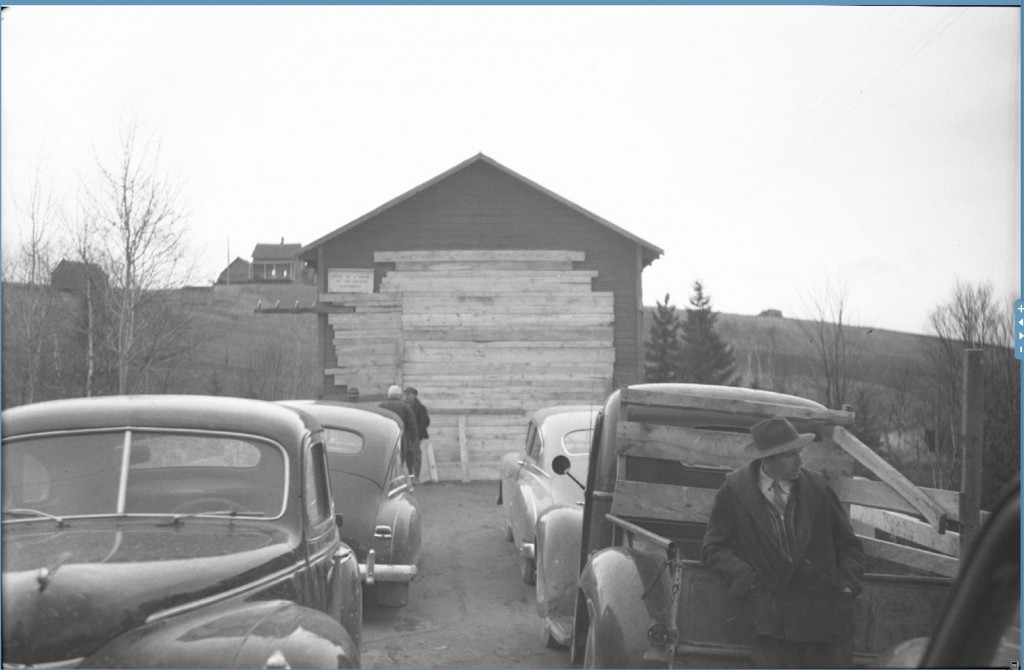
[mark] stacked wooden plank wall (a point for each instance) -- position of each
(487, 337)
(367, 339)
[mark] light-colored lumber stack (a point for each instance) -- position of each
(368, 340)
(487, 337)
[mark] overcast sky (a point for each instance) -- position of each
(770, 151)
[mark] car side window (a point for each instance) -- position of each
(578, 441)
(341, 441)
(318, 498)
(533, 443)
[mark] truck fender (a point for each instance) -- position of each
(559, 533)
(622, 594)
(234, 635)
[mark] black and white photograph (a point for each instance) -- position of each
(510, 336)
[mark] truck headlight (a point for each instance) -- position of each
(658, 634)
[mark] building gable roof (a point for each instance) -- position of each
(275, 252)
(308, 252)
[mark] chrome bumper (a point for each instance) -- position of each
(370, 572)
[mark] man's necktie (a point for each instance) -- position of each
(778, 499)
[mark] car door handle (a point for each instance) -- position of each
(382, 532)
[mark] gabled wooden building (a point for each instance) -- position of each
(490, 294)
(276, 262)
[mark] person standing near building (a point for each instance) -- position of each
(412, 398)
(409, 430)
(784, 545)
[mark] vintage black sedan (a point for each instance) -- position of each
(372, 490)
(174, 532)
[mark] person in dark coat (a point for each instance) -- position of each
(412, 398)
(409, 430)
(783, 543)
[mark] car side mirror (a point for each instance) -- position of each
(560, 464)
(339, 520)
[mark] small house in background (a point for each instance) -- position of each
(276, 262)
(490, 294)
(237, 273)
(73, 276)
(271, 263)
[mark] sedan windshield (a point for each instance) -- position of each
(142, 472)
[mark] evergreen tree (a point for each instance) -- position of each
(706, 358)
(662, 356)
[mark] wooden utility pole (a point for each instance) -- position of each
(973, 403)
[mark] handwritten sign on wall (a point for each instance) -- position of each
(342, 280)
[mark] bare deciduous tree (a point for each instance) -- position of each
(972, 319)
(280, 370)
(30, 309)
(901, 412)
(90, 328)
(837, 346)
(141, 243)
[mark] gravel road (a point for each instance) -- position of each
(468, 607)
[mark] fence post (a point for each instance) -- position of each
(973, 403)
(463, 448)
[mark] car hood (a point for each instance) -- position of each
(66, 592)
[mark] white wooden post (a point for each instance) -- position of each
(463, 448)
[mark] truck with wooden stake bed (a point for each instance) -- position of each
(636, 593)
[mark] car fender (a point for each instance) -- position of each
(252, 634)
(523, 512)
(622, 593)
(408, 533)
(402, 548)
(345, 604)
(401, 514)
(559, 532)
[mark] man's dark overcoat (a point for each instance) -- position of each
(422, 418)
(410, 430)
(799, 599)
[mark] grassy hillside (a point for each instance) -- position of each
(251, 354)
(771, 348)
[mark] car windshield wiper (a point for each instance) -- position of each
(179, 518)
(21, 511)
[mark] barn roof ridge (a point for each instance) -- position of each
(310, 248)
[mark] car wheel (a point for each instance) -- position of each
(528, 570)
(508, 531)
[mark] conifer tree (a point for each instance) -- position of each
(662, 356)
(706, 359)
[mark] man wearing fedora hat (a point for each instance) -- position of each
(784, 545)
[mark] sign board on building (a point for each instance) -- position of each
(342, 280)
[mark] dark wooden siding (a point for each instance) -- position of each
(482, 207)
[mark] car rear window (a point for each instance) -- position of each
(577, 441)
(343, 441)
(202, 451)
(82, 474)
